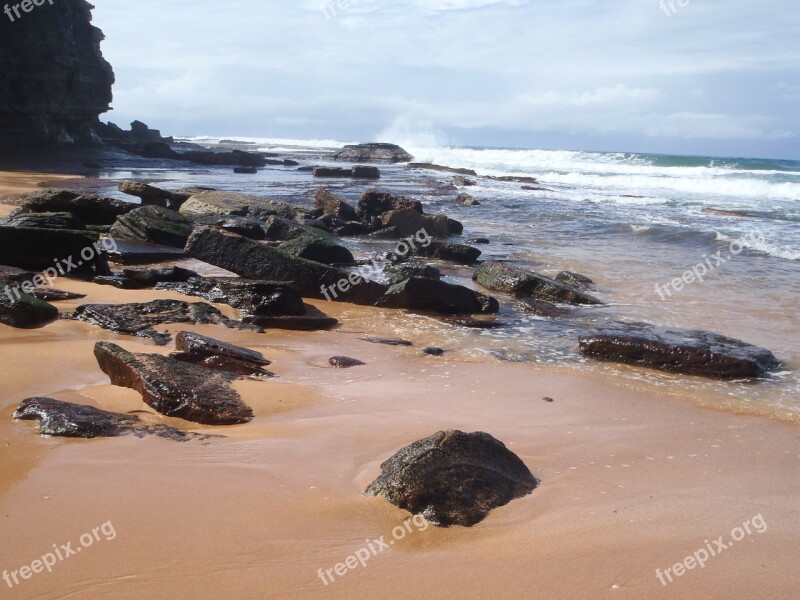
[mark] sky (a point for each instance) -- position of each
(708, 77)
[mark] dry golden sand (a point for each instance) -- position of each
(14, 183)
(631, 480)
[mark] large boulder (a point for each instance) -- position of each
(174, 388)
(152, 195)
(273, 298)
(153, 224)
(280, 229)
(64, 419)
(89, 208)
(333, 205)
(500, 277)
(374, 203)
(399, 273)
(212, 202)
(453, 478)
(408, 221)
(419, 293)
(467, 200)
(373, 153)
(689, 352)
(258, 261)
(457, 253)
(60, 250)
(317, 249)
(139, 319)
(220, 356)
(24, 311)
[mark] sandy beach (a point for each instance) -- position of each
(633, 479)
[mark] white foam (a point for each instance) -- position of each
(760, 244)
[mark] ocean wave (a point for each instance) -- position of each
(761, 245)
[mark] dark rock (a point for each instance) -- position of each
(175, 388)
(64, 419)
(24, 311)
(235, 157)
(473, 323)
(574, 279)
(151, 195)
(137, 252)
(246, 226)
(352, 229)
(54, 81)
(362, 172)
(457, 253)
(543, 308)
(212, 202)
(334, 206)
(245, 170)
(387, 233)
(409, 222)
(117, 281)
(345, 362)
(39, 249)
(453, 478)
(304, 323)
(514, 179)
(399, 273)
(467, 200)
(279, 229)
(156, 150)
(265, 298)
(51, 295)
(58, 220)
(142, 132)
(88, 208)
(374, 203)
(319, 250)
(149, 278)
(419, 293)
(332, 172)
(689, 352)
(373, 153)
(220, 356)
(387, 341)
(432, 167)
(479, 241)
(432, 351)
(461, 181)
(500, 277)
(153, 224)
(258, 261)
(139, 319)
(456, 227)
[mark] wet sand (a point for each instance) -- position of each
(634, 477)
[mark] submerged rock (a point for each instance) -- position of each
(220, 356)
(467, 200)
(175, 388)
(345, 362)
(500, 277)
(153, 224)
(375, 153)
(453, 478)
(64, 419)
(268, 298)
(685, 351)
(139, 319)
(574, 279)
(420, 293)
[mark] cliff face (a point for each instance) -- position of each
(54, 81)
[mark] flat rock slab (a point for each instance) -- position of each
(138, 319)
(453, 478)
(220, 356)
(255, 297)
(419, 293)
(64, 419)
(175, 388)
(685, 351)
(500, 277)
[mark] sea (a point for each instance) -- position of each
(633, 223)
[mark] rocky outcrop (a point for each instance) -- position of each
(152, 195)
(457, 253)
(374, 203)
(420, 293)
(54, 81)
(689, 352)
(317, 249)
(220, 356)
(261, 298)
(153, 224)
(212, 202)
(334, 206)
(408, 222)
(453, 478)
(24, 311)
(89, 208)
(174, 388)
(64, 419)
(373, 153)
(139, 319)
(500, 277)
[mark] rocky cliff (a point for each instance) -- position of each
(54, 81)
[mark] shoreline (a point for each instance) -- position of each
(632, 478)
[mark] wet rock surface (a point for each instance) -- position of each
(220, 356)
(138, 319)
(152, 195)
(335, 206)
(543, 308)
(89, 208)
(175, 388)
(310, 322)
(500, 277)
(64, 419)
(246, 226)
(46, 220)
(399, 273)
(453, 478)
(373, 153)
(345, 362)
(25, 311)
(387, 341)
(420, 293)
(457, 253)
(374, 203)
(153, 224)
(39, 249)
(685, 351)
(317, 249)
(213, 202)
(266, 298)
(574, 279)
